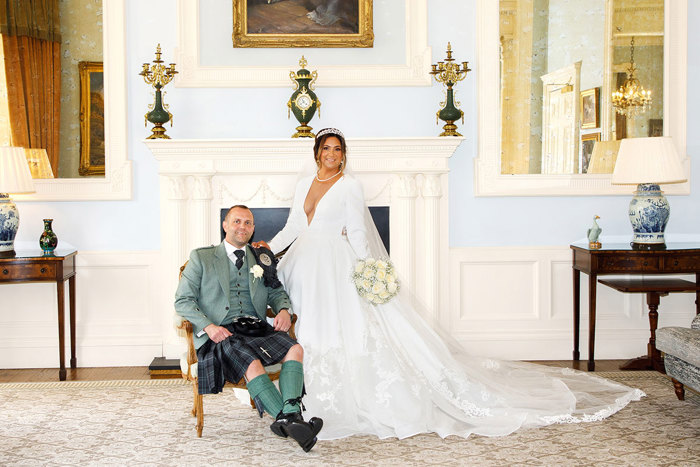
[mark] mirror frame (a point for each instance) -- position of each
(488, 180)
(116, 184)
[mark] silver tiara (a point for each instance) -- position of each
(333, 131)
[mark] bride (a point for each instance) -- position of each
(381, 369)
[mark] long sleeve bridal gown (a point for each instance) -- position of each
(382, 370)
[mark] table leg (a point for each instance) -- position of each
(653, 354)
(61, 330)
(71, 290)
(697, 294)
(652, 360)
(577, 311)
(592, 282)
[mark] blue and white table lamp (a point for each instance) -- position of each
(15, 178)
(648, 162)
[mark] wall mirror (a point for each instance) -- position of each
(557, 64)
(116, 183)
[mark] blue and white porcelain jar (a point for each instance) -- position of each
(649, 212)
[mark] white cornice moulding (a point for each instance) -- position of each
(116, 184)
(413, 72)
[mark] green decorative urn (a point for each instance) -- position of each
(48, 240)
(303, 102)
(158, 75)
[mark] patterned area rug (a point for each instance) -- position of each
(148, 423)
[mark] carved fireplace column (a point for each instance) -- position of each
(432, 192)
(200, 212)
(404, 255)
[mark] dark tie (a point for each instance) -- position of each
(239, 258)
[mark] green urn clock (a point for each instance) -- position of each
(303, 102)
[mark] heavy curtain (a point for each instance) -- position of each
(31, 40)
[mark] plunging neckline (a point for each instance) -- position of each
(308, 221)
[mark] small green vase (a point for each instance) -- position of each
(48, 239)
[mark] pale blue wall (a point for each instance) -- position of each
(401, 111)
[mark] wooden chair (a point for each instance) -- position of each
(188, 365)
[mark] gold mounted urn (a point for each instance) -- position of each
(303, 101)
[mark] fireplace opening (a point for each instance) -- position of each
(269, 221)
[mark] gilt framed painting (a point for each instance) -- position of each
(92, 119)
(590, 113)
(302, 23)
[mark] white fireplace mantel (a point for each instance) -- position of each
(409, 175)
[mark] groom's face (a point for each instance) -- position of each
(239, 226)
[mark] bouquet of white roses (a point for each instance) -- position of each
(375, 280)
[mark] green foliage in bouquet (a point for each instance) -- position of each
(375, 280)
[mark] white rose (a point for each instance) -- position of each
(359, 266)
(391, 287)
(256, 271)
(370, 297)
(390, 278)
(382, 264)
(381, 274)
(378, 288)
(384, 295)
(370, 260)
(368, 273)
(358, 283)
(367, 285)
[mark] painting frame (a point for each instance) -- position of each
(92, 114)
(242, 38)
(590, 108)
(656, 127)
(588, 141)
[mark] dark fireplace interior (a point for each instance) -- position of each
(269, 221)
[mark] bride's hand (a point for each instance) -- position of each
(261, 243)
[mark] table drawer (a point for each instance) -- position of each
(28, 271)
(625, 263)
(681, 263)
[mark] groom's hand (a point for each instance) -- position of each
(262, 243)
(283, 320)
(217, 333)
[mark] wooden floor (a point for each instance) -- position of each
(33, 375)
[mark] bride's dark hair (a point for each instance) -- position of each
(323, 135)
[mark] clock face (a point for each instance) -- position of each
(303, 101)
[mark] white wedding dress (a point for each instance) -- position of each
(382, 370)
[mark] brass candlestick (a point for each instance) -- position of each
(450, 73)
(158, 75)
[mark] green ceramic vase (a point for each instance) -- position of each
(48, 240)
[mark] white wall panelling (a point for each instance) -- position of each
(118, 323)
(516, 303)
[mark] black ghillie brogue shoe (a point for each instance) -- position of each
(293, 425)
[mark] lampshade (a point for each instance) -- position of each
(648, 160)
(39, 164)
(15, 176)
(603, 157)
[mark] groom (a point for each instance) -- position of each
(224, 292)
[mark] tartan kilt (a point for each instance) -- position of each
(229, 359)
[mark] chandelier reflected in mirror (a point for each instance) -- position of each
(631, 99)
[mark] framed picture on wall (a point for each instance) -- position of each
(590, 113)
(656, 127)
(587, 144)
(92, 119)
(296, 23)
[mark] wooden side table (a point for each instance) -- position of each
(625, 259)
(34, 266)
(655, 288)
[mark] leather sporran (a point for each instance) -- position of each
(252, 326)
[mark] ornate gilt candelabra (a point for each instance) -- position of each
(450, 73)
(158, 75)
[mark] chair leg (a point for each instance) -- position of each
(194, 399)
(680, 390)
(200, 415)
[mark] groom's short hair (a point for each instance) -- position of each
(238, 206)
